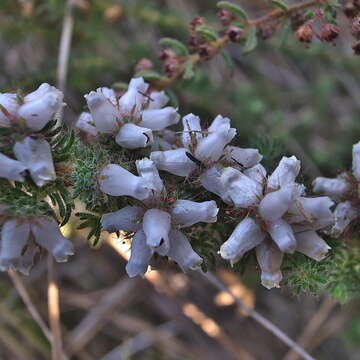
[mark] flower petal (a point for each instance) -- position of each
(132, 136)
(269, 258)
(104, 112)
(283, 235)
(126, 219)
(285, 173)
(356, 160)
(14, 237)
(11, 169)
(8, 106)
(36, 155)
(140, 256)
(245, 237)
(211, 147)
(211, 181)
(173, 161)
(41, 106)
(132, 102)
(163, 140)
(148, 171)
(182, 252)
(275, 204)
(257, 173)
(242, 190)
(335, 188)
(156, 226)
(192, 132)
(187, 213)
(312, 245)
(159, 119)
(116, 181)
(242, 157)
(158, 99)
(344, 213)
(219, 123)
(87, 124)
(48, 235)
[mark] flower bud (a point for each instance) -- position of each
(304, 33)
(225, 16)
(329, 32)
(235, 33)
(356, 48)
(143, 64)
(355, 28)
(206, 51)
(196, 22)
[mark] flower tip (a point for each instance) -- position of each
(63, 250)
(271, 281)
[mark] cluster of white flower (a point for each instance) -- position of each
(276, 215)
(27, 116)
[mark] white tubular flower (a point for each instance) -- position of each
(245, 237)
(187, 213)
(274, 205)
(11, 169)
(116, 181)
(283, 235)
(140, 256)
(156, 226)
(159, 119)
(14, 237)
(242, 190)
(344, 213)
(191, 130)
(243, 157)
(285, 173)
(35, 154)
(174, 161)
(48, 235)
(315, 211)
(40, 106)
(211, 181)
(132, 136)
(163, 140)
(212, 146)
(269, 258)
(257, 173)
(182, 252)
(158, 99)
(148, 171)
(133, 100)
(312, 245)
(87, 124)
(335, 188)
(8, 106)
(356, 161)
(104, 110)
(126, 219)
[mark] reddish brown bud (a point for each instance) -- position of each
(329, 32)
(351, 8)
(356, 48)
(196, 22)
(143, 64)
(225, 16)
(235, 33)
(206, 51)
(305, 33)
(297, 19)
(167, 54)
(355, 28)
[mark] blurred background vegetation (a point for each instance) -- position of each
(283, 97)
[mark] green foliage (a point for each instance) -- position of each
(207, 32)
(236, 9)
(176, 45)
(338, 274)
(91, 222)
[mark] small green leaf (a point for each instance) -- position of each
(148, 75)
(189, 70)
(176, 45)
(251, 40)
(237, 10)
(228, 59)
(207, 32)
(280, 5)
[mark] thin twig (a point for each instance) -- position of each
(65, 44)
(258, 317)
(313, 327)
(54, 312)
(20, 287)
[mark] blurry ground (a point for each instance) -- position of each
(292, 94)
